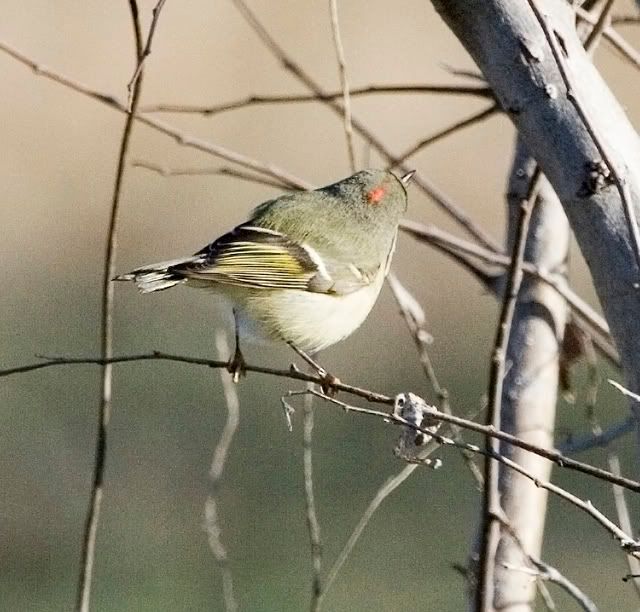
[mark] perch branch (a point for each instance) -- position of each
(625, 540)
(294, 373)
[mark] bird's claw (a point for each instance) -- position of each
(237, 366)
(328, 383)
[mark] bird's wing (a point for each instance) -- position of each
(260, 258)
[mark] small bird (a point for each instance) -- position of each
(306, 268)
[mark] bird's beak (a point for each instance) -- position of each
(406, 178)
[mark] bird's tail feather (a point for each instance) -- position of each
(156, 277)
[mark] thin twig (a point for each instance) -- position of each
(625, 540)
(614, 37)
(546, 595)
(544, 571)
(371, 396)
(218, 462)
(603, 22)
(598, 440)
(624, 518)
(624, 390)
(480, 91)
(222, 171)
(185, 139)
(625, 20)
(344, 82)
(552, 574)
(182, 138)
(421, 182)
(414, 318)
(490, 532)
(83, 593)
(441, 239)
(146, 51)
(389, 486)
(313, 525)
(477, 117)
(287, 178)
(475, 75)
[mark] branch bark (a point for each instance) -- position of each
(509, 42)
(530, 389)
(491, 508)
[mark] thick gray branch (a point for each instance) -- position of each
(530, 387)
(509, 42)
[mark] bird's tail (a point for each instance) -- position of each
(156, 277)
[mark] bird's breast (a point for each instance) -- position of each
(311, 321)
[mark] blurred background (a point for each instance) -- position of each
(59, 152)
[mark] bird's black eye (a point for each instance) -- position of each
(400, 401)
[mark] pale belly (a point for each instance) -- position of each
(311, 321)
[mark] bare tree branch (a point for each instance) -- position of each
(601, 439)
(624, 518)
(344, 82)
(182, 138)
(390, 485)
(289, 64)
(603, 22)
(550, 573)
(477, 117)
(371, 396)
(480, 91)
(147, 49)
(439, 238)
(212, 520)
(187, 140)
(222, 171)
(612, 36)
(83, 593)
(491, 508)
(544, 571)
(601, 204)
(531, 385)
(614, 175)
(625, 540)
(313, 525)
(415, 319)
(631, 20)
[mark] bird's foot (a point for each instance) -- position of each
(237, 366)
(328, 382)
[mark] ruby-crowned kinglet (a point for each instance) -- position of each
(306, 268)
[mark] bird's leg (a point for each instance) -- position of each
(237, 366)
(329, 381)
